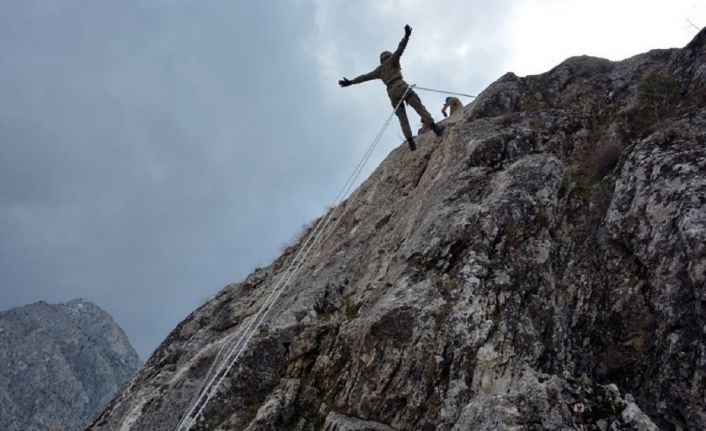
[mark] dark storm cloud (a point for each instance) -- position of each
(152, 151)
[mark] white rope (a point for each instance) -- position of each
(445, 92)
(208, 391)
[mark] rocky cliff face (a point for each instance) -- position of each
(59, 365)
(541, 266)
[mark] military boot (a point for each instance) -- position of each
(437, 129)
(412, 146)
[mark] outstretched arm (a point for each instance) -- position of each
(403, 44)
(443, 110)
(375, 74)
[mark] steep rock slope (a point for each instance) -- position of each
(60, 364)
(541, 266)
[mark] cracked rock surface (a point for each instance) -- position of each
(540, 266)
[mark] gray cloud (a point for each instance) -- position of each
(153, 151)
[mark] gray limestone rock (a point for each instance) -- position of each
(556, 230)
(60, 365)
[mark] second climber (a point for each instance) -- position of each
(390, 72)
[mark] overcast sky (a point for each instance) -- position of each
(153, 151)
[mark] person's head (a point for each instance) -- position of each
(384, 56)
(448, 100)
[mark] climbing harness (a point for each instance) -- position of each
(219, 372)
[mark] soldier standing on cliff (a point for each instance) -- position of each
(390, 73)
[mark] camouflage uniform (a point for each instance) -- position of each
(390, 72)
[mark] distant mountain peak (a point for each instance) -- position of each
(61, 365)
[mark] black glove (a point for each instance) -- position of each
(344, 82)
(407, 30)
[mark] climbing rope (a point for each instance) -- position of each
(208, 391)
(445, 92)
